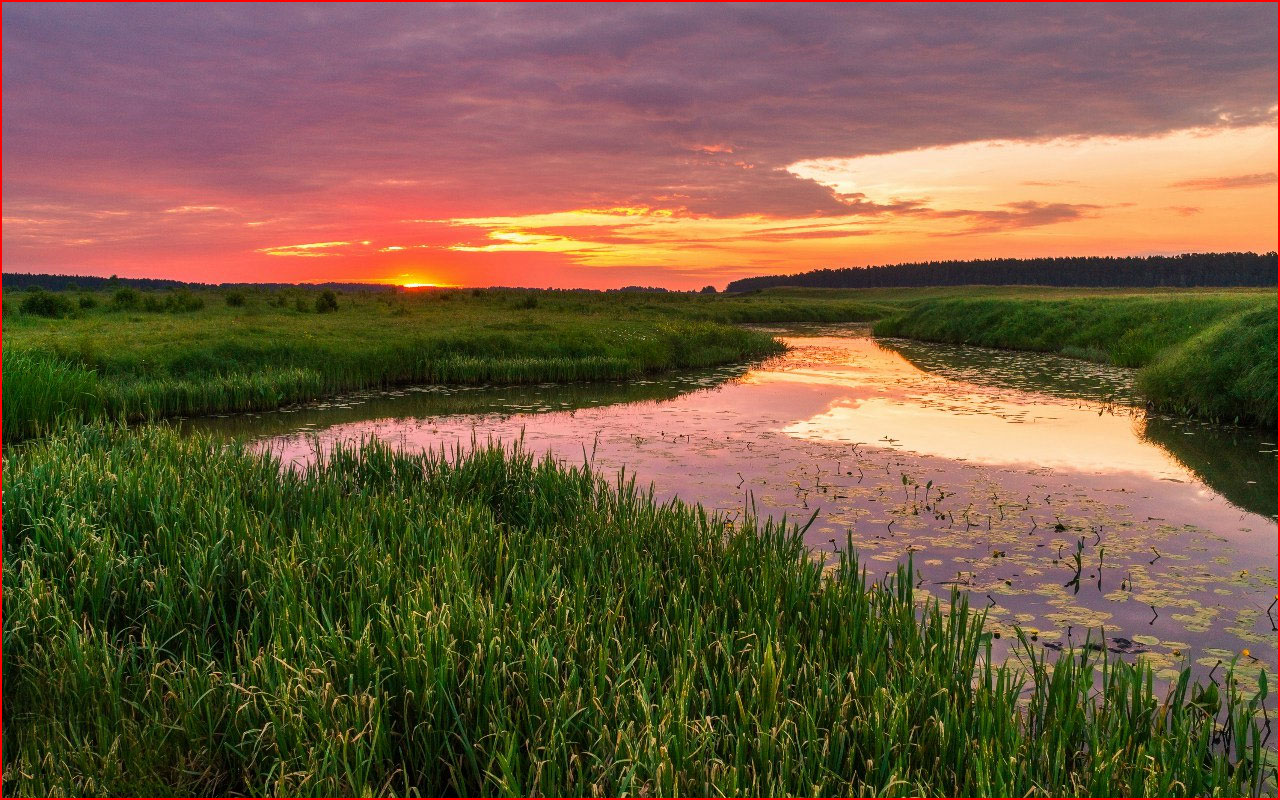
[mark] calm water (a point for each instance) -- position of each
(992, 470)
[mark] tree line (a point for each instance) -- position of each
(1188, 269)
(19, 281)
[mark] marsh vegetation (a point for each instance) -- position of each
(490, 623)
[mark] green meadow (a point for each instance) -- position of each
(185, 616)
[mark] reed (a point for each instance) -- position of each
(184, 616)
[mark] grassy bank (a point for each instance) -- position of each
(388, 623)
(1226, 371)
(1206, 354)
(114, 362)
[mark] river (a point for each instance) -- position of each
(1034, 483)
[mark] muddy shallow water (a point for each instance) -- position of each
(1032, 482)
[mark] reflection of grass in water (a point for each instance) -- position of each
(440, 401)
(1226, 459)
(1028, 372)
(486, 623)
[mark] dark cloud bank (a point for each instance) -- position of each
(478, 110)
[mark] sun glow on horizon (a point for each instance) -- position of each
(416, 280)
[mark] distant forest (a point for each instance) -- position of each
(18, 281)
(1188, 269)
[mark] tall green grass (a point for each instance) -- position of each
(182, 617)
(105, 366)
(43, 393)
(1225, 372)
(1208, 354)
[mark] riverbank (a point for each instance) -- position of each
(134, 356)
(487, 623)
(120, 362)
(1205, 354)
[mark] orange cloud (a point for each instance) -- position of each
(312, 250)
(1228, 182)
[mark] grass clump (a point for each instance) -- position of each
(45, 392)
(42, 393)
(183, 301)
(487, 623)
(1129, 330)
(177, 302)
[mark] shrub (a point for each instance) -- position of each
(236, 299)
(46, 304)
(277, 300)
(300, 304)
(183, 300)
(153, 304)
(528, 301)
(327, 301)
(125, 297)
(88, 301)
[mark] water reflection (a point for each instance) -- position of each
(991, 480)
(427, 402)
(883, 397)
(1047, 373)
(1238, 463)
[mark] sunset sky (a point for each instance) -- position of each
(599, 146)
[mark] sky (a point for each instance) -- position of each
(599, 146)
